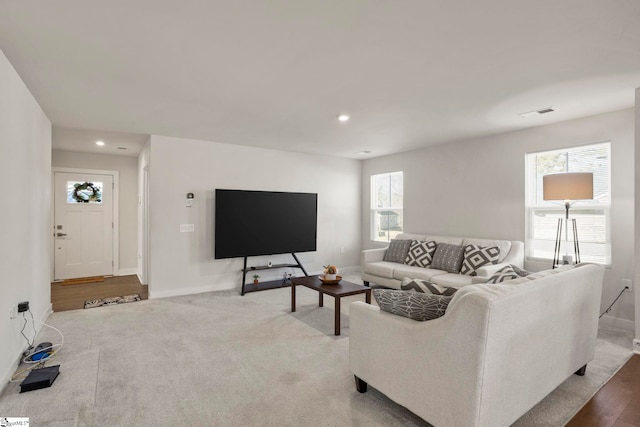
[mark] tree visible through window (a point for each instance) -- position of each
(592, 216)
(386, 206)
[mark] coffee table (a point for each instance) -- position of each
(337, 291)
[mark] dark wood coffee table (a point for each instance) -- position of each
(337, 291)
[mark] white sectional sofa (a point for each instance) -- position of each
(390, 274)
(496, 352)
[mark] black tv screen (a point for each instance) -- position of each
(251, 223)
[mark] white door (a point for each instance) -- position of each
(83, 225)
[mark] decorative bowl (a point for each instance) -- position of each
(329, 281)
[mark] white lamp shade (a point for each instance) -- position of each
(567, 186)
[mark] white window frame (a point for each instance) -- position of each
(375, 210)
(591, 250)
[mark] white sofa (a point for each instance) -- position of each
(498, 350)
(390, 274)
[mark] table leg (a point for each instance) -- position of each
(293, 297)
(321, 300)
(337, 314)
(368, 296)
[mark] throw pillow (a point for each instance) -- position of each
(419, 285)
(397, 250)
(448, 257)
(476, 257)
(420, 253)
(507, 273)
(413, 305)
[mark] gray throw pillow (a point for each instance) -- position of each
(424, 286)
(448, 257)
(397, 250)
(420, 253)
(507, 273)
(476, 257)
(414, 305)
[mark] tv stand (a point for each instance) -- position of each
(272, 284)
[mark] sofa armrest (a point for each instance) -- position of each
(401, 357)
(371, 255)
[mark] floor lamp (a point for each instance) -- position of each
(567, 187)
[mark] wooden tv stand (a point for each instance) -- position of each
(272, 284)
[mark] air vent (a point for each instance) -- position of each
(537, 112)
(122, 148)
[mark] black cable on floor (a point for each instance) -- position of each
(614, 301)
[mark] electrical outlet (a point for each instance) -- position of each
(628, 285)
(12, 312)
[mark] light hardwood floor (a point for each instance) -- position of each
(72, 297)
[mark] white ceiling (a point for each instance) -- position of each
(275, 73)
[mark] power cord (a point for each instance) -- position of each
(50, 351)
(614, 301)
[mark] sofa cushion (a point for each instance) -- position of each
(507, 273)
(402, 270)
(426, 287)
(380, 268)
(448, 257)
(452, 280)
(420, 253)
(397, 250)
(476, 256)
(504, 245)
(452, 240)
(414, 305)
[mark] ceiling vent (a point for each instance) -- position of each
(537, 112)
(122, 148)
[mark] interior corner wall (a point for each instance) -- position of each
(25, 182)
(143, 255)
(636, 281)
(183, 263)
(127, 167)
(477, 188)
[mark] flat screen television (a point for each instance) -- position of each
(252, 223)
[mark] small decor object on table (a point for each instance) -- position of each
(330, 275)
(255, 279)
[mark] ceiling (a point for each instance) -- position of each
(276, 73)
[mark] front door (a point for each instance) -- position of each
(83, 225)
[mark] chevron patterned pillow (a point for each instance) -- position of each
(419, 285)
(420, 253)
(476, 257)
(507, 273)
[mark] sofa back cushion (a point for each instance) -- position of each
(420, 253)
(452, 240)
(397, 250)
(448, 257)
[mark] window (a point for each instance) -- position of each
(592, 216)
(386, 206)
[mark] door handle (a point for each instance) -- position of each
(61, 234)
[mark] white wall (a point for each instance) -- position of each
(183, 263)
(477, 188)
(25, 182)
(636, 282)
(127, 167)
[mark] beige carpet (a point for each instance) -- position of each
(219, 359)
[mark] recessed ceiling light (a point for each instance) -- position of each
(100, 143)
(537, 112)
(364, 152)
(343, 117)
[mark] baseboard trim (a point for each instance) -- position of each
(615, 322)
(127, 271)
(14, 367)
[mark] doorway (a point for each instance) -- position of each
(85, 220)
